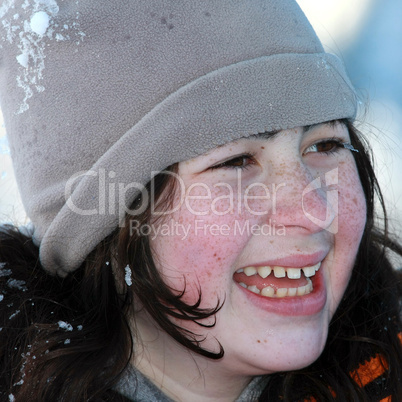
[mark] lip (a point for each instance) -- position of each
(293, 261)
(293, 306)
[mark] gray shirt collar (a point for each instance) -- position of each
(136, 387)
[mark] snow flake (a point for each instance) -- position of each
(30, 36)
(127, 277)
(16, 284)
(14, 314)
(65, 325)
(39, 22)
(322, 63)
(3, 271)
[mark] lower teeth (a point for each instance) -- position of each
(281, 292)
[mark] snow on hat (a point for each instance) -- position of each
(101, 92)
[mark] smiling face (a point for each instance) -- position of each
(271, 226)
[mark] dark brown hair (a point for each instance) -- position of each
(69, 339)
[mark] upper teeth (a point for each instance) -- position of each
(281, 272)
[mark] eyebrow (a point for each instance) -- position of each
(263, 136)
(271, 134)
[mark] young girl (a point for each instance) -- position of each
(202, 210)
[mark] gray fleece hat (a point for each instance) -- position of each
(100, 95)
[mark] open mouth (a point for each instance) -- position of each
(277, 281)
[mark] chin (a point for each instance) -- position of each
(288, 362)
(280, 350)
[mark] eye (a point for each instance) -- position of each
(239, 162)
(328, 147)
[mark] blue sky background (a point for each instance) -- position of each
(374, 60)
(374, 63)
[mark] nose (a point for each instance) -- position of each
(305, 201)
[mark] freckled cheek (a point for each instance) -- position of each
(202, 254)
(203, 199)
(226, 199)
(195, 264)
(352, 206)
(351, 223)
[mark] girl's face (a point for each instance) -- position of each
(270, 226)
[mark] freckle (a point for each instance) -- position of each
(271, 241)
(262, 147)
(265, 341)
(258, 341)
(355, 200)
